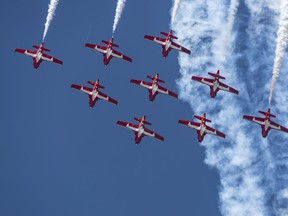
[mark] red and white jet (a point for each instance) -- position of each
(201, 127)
(215, 84)
(167, 43)
(38, 55)
(140, 130)
(93, 93)
(153, 87)
(108, 51)
(266, 123)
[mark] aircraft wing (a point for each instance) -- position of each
(150, 133)
(213, 131)
(225, 87)
(257, 120)
(106, 98)
(155, 39)
(46, 57)
(205, 81)
(195, 125)
(121, 56)
(166, 91)
(101, 49)
(84, 89)
(31, 53)
(180, 48)
(141, 83)
(276, 126)
(130, 126)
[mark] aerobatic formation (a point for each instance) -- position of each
(152, 86)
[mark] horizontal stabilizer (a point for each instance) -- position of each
(107, 42)
(43, 48)
(145, 122)
(166, 34)
(159, 80)
(267, 113)
(215, 75)
(202, 118)
(93, 83)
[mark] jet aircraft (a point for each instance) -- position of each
(265, 123)
(38, 55)
(215, 84)
(153, 87)
(108, 51)
(140, 130)
(94, 93)
(167, 43)
(201, 127)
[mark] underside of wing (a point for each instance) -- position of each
(141, 83)
(101, 49)
(195, 125)
(276, 126)
(213, 131)
(121, 56)
(127, 125)
(155, 39)
(166, 91)
(205, 81)
(257, 120)
(225, 87)
(31, 53)
(46, 57)
(84, 89)
(180, 48)
(150, 133)
(107, 98)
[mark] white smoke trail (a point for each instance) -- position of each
(174, 10)
(51, 12)
(280, 147)
(206, 27)
(282, 39)
(265, 47)
(119, 9)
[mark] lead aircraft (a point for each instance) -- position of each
(266, 123)
(201, 127)
(215, 84)
(108, 51)
(38, 55)
(94, 93)
(167, 43)
(140, 130)
(153, 87)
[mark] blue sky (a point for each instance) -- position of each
(58, 156)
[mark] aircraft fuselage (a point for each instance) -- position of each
(37, 59)
(139, 134)
(107, 56)
(214, 89)
(166, 47)
(201, 132)
(153, 91)
(265, 128)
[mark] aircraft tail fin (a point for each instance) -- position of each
(203, 118)
(143, 121)
(93, 83)
(166, 34)
(216, 75)
(159, 80)
(43, 48)
(267, 113)
(107, 42)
